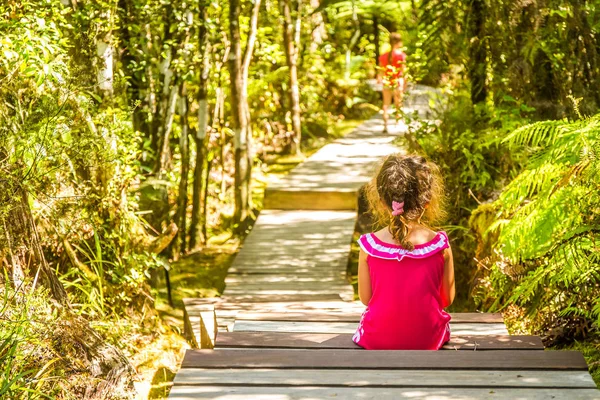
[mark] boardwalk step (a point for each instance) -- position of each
(305, 393)
(492, 360)
(282, 199)
(459, 328)
(282, 340)
(351, 316)
(384, 378)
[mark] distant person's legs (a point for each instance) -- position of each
(399, 95)
(387, 100)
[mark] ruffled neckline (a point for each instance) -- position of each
(376, 247)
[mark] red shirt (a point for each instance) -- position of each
(398, 59)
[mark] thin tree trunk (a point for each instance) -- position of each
(477, 52)
(165, 151)
(251, 40)
(238, 119)
(159, 118)
(353, 40)
(291, 57)
(223, 138)
(209, 163)
(376, 34)
(105, 53)
(184, 149)
(170, 90)
(136, 85)
(319, 31)
(197, 229)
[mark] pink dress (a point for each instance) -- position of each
(405, 311)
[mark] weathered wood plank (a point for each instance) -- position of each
(312, 393)
(344, 341)
(275, 291)
(277, 279)
(349, 316)
(407, 359)
(463, 329)
(299, 287)
(268, 298)
(385, 378)
(228, 303)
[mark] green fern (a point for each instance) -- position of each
(548, 230)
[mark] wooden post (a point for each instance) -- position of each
(200, 324)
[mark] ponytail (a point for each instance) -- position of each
(399, 231)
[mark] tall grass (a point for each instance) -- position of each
(25, 363)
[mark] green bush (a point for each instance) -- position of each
(544, 256)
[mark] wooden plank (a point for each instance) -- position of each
(463, 329)
(384, 378)
(254, 279)
(298, 287)
(345, 316)
(267, 298)
(344, 341)
(275, 290)
(312, 393)
(314, 199)
(229, 303)
(283, 282)
(406, 359)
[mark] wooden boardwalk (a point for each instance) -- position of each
(286, 317)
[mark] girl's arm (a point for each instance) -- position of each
(364, 279)
(448, 290)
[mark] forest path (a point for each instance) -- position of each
(283, 327)
(297, 252)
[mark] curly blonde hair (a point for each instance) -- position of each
(410, 179)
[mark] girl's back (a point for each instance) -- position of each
(405, 310)
(405, 271)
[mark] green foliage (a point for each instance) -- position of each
(548, 226)
(27, 366)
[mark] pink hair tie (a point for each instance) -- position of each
(397, 208)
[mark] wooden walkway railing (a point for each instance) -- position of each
(283, 328)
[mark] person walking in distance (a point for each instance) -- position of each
(391, 76)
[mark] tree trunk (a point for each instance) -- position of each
(159, 117)
(291, 57)
(184, 149)
(353, 40)
(105, 53)
(136, 87)
(319, 31)
(251, 40)
(477, 52)
(376, 34)
(238, 117)
(197, 236)
(165, 151)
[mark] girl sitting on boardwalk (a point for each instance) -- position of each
(405, 271)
